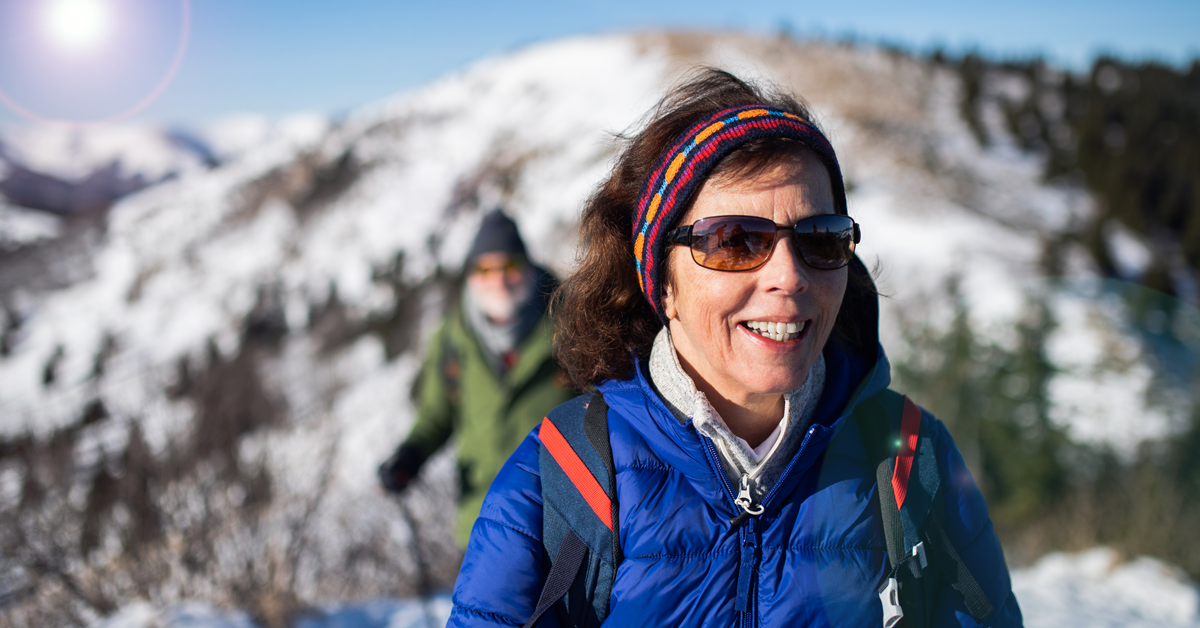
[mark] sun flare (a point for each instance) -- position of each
(77, 25)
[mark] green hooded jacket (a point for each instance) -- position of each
(460, 393)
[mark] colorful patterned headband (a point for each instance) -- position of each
(682, 169)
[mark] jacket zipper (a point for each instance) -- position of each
(715, 462)
(748, 566)
(791, 463)
(745, 501)
(747, 534)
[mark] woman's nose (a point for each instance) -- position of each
(785, 271)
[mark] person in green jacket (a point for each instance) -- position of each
(489, 375)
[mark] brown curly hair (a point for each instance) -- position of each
(603, 320)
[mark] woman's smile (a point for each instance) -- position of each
(781, 332)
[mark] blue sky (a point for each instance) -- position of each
(273, 57)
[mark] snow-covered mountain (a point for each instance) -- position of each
(57, 184)
(134, 155)
(67, 171)
(214, 392)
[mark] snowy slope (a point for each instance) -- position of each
(197, 249)
(314, 257)
(1090, 590)
(313, 211)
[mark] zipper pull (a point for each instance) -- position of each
(746, 502)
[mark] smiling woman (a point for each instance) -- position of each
(78, 25)
(740, 460)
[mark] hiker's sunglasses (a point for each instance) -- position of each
(510, 265)
(738, 243)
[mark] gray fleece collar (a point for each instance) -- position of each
(681, 396)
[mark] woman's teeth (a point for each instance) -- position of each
(779, 332)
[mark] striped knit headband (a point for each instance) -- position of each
(682, 169)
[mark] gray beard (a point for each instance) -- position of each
(497, 340)
(505, 309)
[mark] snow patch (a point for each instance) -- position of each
(21, 227)
(1130, 254)
(401, 613)
(1097, 590)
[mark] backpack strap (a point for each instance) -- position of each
(897, 435)
(880, 434)
(956, 571)
(450, 366)
(915, 476)
(580, 510)
(567, 562)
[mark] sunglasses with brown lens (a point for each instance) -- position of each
(739, 243)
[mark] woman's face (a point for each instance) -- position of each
(711, 311)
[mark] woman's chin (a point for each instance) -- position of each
(778, 379)
(778, 373)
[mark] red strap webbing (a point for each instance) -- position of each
(910, 432)
(578, 472)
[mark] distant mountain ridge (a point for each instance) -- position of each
(66, 171)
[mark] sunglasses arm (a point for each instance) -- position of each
(680, 235)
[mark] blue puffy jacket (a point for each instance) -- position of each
(819, 544)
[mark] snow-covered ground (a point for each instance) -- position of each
(1094, 589)
(405, 613)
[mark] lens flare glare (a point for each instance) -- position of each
(83, 63)
(78, 25)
